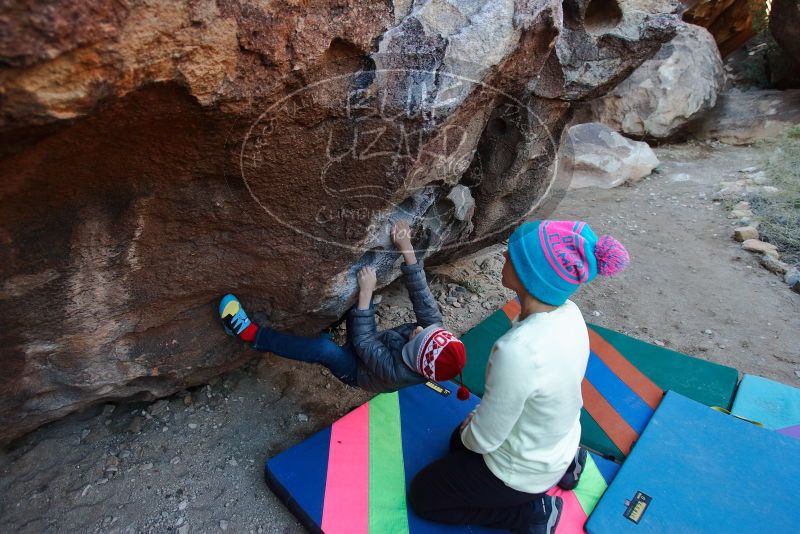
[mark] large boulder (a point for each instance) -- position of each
(675, 86)
(745, 117)
(594, 155)
(157, 155)
(784, 23)
(599, 40)
(729, 21)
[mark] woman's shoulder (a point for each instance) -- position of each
(533, 332)
(514, 344)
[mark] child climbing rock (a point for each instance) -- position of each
(522, 438)
(374, 361)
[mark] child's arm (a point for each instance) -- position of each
(362, 331)
(425, 307)
(367, 280)
(401, 235)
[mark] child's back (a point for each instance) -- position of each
(381, 366)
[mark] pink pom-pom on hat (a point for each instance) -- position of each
(611, 256)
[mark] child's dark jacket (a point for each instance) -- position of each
(381, 367)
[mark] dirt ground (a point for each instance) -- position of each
(193, 462)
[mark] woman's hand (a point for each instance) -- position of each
(401, 236)
(367, 280)
(466, 421)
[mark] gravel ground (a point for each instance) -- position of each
(193, 462)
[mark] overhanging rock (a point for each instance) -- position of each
(158, 155)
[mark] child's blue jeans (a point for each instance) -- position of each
(341, 361)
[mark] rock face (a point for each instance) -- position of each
(761, 63)
(784, 23)
(156, 155)
(677, 85)
(729, 21)
(594, 155)
(744, 117)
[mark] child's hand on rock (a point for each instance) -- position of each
(401, 235)
(367, 280)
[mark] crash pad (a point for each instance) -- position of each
(624, 382)
(697, 470)
(774, 405)
(352, 477)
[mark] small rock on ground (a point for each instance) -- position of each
(754, 245)
(136, 424)
(773, 265)
(792, 276)
(743, 233)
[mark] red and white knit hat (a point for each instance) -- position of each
(438, 355)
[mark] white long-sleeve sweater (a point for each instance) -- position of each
(527, 426)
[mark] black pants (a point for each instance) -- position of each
(460, 489)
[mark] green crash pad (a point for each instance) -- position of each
(706, 382)
(614, 399)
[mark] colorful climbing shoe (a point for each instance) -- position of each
(233, 316)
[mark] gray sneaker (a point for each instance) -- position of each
(570, 479)
(552, 512)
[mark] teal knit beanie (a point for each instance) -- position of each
(553, 258)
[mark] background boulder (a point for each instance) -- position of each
(157, 155)
(675, 86)
(784, 23)
(729, 21)
(744, 117)
(594, 155)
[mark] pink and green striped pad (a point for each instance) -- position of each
(579, 503)
(352, 477)
(624, 383)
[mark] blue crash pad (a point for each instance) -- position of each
(774, 405)
(698, 470)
